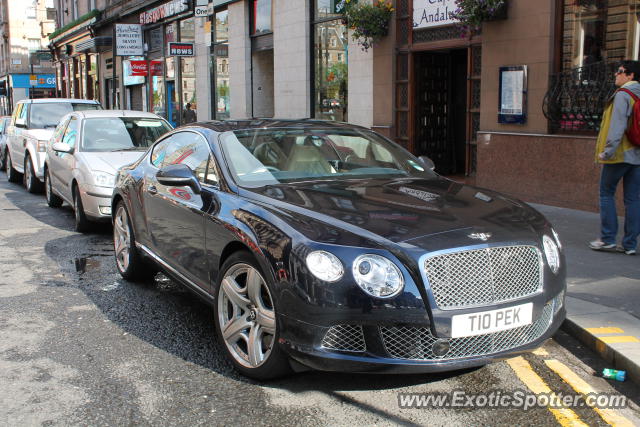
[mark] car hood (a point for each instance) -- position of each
(108, 161)
(402, 211)
(40, 134)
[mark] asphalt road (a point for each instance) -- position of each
(79, 345)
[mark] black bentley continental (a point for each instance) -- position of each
(325, 245)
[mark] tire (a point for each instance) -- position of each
(12, 174)
(129, 262)
(31, 182)
(82, 224)
(250, 311)
(52, 200)
(3, 159)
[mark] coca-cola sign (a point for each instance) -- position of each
(139, 68)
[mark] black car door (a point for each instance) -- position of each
(175, 215)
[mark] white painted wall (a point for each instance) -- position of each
(239, 61)
(292, 30)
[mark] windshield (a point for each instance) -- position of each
(121, 133)
(47, 115)
(260, 157)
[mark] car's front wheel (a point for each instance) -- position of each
(12, 174)
(32, 183)
(82, 223)
(245, 318)
(52, 200)
(129, 262)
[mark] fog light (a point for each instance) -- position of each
(440, 347)
(105, 210)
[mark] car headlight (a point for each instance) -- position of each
(325, 266)
(377, 276)
(104, 179)
(552, 253)
(557, 238)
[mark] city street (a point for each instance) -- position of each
(79, 345)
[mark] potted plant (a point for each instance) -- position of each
(472, 13)
(369, 21)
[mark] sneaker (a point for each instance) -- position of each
(626, 251)
(599, 245)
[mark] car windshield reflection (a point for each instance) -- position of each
(260, 157)
(121, 133)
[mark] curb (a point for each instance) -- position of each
(613, 334)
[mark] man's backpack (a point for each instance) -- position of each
(633, 128)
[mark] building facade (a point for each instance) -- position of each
(513, 107)
(25, 62)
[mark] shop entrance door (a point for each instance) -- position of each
(441, 109)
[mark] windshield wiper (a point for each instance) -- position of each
(132, 149)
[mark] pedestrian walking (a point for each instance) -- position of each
(189, 116)
(620, 160)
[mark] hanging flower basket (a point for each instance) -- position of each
(369, 22)
(472, 13)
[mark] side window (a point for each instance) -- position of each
(211, 176)
(192, 150)
(159, 152)
(57, 135)
(16, 114)
(21, 117)
(71, 133)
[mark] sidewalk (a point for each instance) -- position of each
(603, 302)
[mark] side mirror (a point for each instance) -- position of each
(20, 123)
(61, 147)
(179, 176)
(427, 162)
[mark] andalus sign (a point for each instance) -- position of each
(433, 13)
(164, 11)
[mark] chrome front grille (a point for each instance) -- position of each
(344, 338)
(484, 276)
(405, 342)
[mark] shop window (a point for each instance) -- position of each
(219, 66)
(330, 53)
(261, 17)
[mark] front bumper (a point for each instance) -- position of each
(306, 344)
(97, 202)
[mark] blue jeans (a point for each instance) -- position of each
(611, 175)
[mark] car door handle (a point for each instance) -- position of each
(152, 189)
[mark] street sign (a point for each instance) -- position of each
(129, 40)
(180, 49)
(201, 11)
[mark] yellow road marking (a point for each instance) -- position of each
(540, 352)
(613, 340)
(522, 368)
(581, 386)
(597, 331)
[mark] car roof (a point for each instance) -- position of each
(232, 125)
(57, 100)
(115, 113)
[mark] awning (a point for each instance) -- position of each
(96, 44)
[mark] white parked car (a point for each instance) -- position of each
(85, 152)
(31, 127)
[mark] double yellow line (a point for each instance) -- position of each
(564, 415)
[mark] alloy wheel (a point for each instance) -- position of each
(121, 238)
(27, 174)
(47, 187)
(246, 315)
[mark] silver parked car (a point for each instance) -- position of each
(85, 152)
(31, 126)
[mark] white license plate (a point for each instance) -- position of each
(485, 322)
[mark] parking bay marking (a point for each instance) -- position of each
(605, 330)
(582, 387)
(618, 339)
(565, 416)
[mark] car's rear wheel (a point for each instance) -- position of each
(12, 174)
(32, 183)
(52, 200)
(3, 159)
(82, 223)
(129, 262)
(245, 318)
